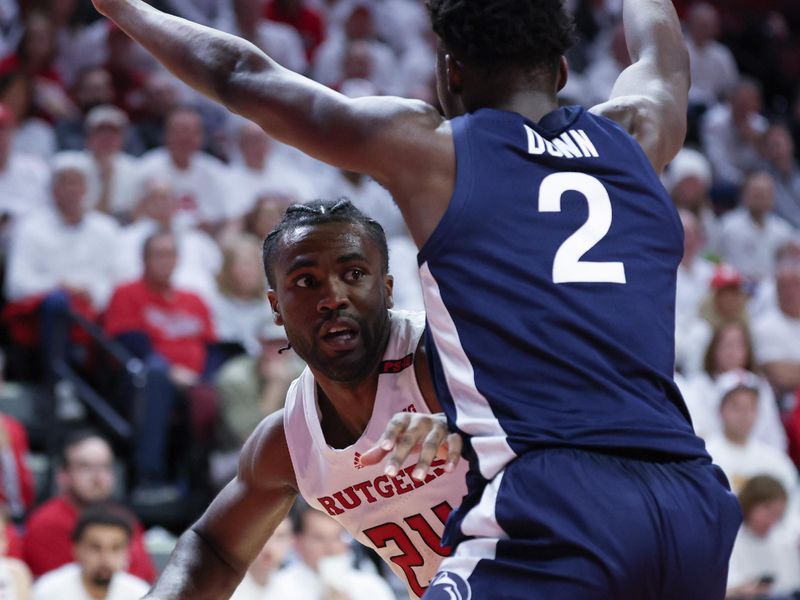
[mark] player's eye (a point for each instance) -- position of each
(354, 274)
(304, 281)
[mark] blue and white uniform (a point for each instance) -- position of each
(549, 287)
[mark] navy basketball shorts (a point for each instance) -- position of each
(570, 524)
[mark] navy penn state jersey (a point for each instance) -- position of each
(549, 286)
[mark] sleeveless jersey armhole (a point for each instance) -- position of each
(462, 190)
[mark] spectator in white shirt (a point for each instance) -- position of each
(694, 272)
(765, 559)
(727, 302)
(734, 449)
(239, 309)
(731, 349)
(731, 133)
(688, 180)
(776, 334)
(357, 18)
(199, 257)
(280, 41)
(262, 169)
(714, 71)
(601, 74)
(256, 584)
(23, 178)
(325, 569)
(62, 258)
(751, 235)
(782, 165)
(114, 181)
(198, 178)
(67, 248)
(265, 215)
(101, 543)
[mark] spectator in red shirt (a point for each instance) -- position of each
(169, 329)
(85, 478)
(306, 21)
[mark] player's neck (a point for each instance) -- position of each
(531, 93)
(345, 409)
(532, 105)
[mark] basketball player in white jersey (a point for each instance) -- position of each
(327, 266)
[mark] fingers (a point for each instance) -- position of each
(406, 433)
(407, 441)
(430, 448)
(396, 426)
(454, 446)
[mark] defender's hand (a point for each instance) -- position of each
(414, 432)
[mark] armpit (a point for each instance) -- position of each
(638, 115)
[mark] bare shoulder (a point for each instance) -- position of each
(264, 462)
(660, 132)
(417, 164)
(409, 133)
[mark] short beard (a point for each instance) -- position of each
(373, 349)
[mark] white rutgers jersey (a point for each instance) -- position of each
(402, 519)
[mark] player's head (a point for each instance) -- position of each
(327, 267)
(100, 543)
(490, 48)
(86, 475)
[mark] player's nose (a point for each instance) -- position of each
(334, 295)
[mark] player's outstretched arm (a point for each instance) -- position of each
(650, 97)
(213, 555)
(375, 135)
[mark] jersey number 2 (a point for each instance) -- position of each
(567, 264)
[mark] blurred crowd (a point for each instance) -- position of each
(134, 317)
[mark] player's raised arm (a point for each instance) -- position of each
(213, 555)
(369, 135)
(650, 97)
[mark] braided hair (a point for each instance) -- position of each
(319, 212)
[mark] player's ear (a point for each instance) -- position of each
(453, 70)
(563, 74)
(276, 309)
(388, 281)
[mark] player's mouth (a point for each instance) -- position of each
(340, 335)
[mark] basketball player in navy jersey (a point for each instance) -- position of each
(548, 258)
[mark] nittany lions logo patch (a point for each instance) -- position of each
(449, 586)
